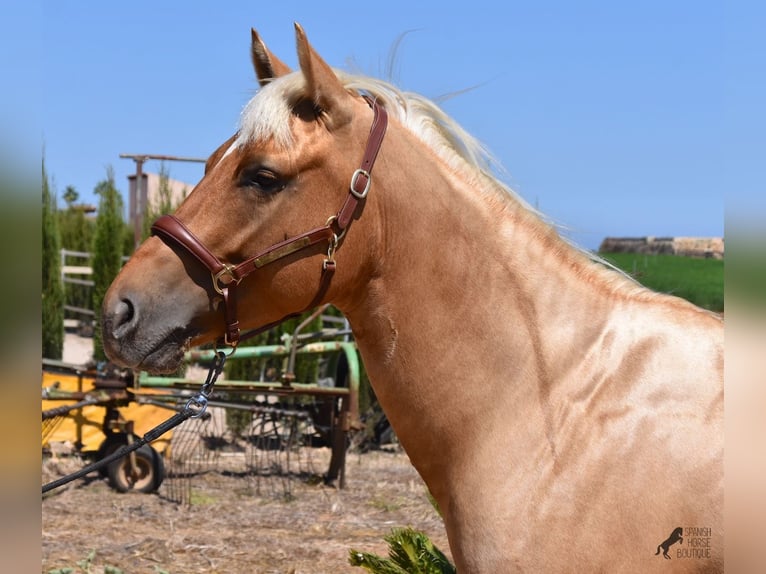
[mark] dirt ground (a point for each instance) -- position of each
(229, 527)
(234, 523)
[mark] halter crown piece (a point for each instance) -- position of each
(227, 276)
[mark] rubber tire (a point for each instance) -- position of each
(150, 467)
(112, 442)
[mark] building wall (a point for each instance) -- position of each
(709, 247)
(179, 189)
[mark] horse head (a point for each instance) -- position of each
(286, 171)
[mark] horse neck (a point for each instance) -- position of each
(479, 328)
(456, 312)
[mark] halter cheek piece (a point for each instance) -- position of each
(226, 276)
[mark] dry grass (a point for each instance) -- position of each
(229, 528)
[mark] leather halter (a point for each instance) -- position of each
(227, 276)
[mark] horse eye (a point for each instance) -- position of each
(262, 179)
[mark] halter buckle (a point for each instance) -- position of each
(355, 178)
(226, 273)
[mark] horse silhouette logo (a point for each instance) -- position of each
(675, 536)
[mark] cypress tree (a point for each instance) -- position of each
(163, 202)
(76, 229)
(107, 250)
(52, 286)
(76, 235)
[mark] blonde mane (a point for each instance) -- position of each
(267, 117)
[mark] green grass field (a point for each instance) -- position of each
(698, 280)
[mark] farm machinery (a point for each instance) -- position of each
(301, 393)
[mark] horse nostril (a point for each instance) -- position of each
(123, 317)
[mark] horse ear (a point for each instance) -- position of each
(323, 86)
(267, 65)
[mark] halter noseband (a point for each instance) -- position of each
(227, 276)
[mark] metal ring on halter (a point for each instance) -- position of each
(329, 223)
(330, 259)
(227, 270)
(226, 342)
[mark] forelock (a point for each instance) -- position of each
(266, 117)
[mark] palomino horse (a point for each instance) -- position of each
(564, 418)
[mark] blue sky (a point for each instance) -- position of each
(611, 117)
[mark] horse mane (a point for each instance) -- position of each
(267, 117)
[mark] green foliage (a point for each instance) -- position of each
(164, 202)
(70, 196)
(306, 369)
(434, 504)
(52, 286)
(256, 369)
(77, 232)
(409, 552)
(77, 229)
(700, 281)
(746, 269)
(107, 250)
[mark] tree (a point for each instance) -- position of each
(107, 250)
(76, 235)
(163, 203)
(70, 196)
(76, 228)
(52, 286)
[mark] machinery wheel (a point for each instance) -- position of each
(112, 443)
(145, 477)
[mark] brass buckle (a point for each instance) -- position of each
(227, 271)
